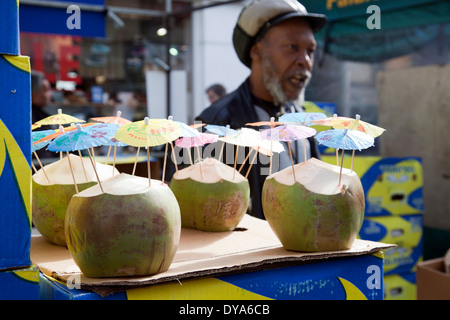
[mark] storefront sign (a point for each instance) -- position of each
(80, 18)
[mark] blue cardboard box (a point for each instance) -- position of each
(15, 159)
(351, 278)
(9, 27)
(20, 284)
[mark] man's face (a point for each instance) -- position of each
(43, 96)
(287, 53)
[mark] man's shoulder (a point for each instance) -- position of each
(223, 111)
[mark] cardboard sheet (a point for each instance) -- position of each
(252, 246)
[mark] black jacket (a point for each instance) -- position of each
(237, 109)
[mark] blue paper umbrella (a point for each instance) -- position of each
(35, 136)
(84, 139)
(303, 118)
(221, 130)
(38, 135)
(345, 139)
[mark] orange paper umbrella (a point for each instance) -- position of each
(264, 123)
(59, 132)
(113, 119)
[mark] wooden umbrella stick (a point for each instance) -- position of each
(353, 158)
(164, 165)
(95, 170)
(251, 163)
(107, 155)
(337, 157)
(190, 156)
(221, 150)
(235, 160)
(304, 146)
(270, 157)
(148, 167)
(342, 163)
(272, 119)
(93, 156)
(114, 160)
(71, 171)
(82, 164)
(200, 162)
(245, 160)
(135, 161)
(34, 168)
(292, 161)
(174, 157)
(42, 167)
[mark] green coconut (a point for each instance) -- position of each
(314, 213)
(129, 230)
(51, 197)
(212, 195)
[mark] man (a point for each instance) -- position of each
(41, 94)
(275, 39)
(215, 92)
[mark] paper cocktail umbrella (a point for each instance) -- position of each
(148, 133)
(345, 139)
(83, 139)
(58, 119)
(289, 133)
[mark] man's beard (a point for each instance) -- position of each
(273, 84)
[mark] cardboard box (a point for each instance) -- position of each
(400, 286)
(402, 259)
(432, 281)
(15, 159)
(404, 230)
(352, 278)
(392, 186)
(20, 284)
(9, 27)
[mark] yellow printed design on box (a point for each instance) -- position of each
(405, 230)
(392, 186)
(400, 286)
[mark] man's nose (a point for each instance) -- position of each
(305, 59)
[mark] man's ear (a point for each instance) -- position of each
(255, 52)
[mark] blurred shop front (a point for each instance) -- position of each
(117, 59)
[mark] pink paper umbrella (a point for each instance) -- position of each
(289, 133)
(201, 139)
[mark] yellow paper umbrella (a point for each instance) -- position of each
(59, 119)
(357, 124)
(148, 133)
